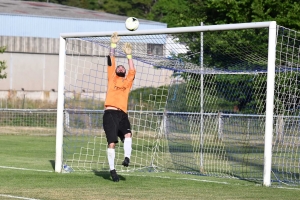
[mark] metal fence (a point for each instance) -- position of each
(28, 121)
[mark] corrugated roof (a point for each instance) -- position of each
(45, 9)
(49, 20)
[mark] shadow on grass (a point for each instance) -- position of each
(52, 162)
(106, 175)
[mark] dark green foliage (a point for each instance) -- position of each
(236, 88)
(284, 12)
(135, 8)
(86, 4)
(148, 98)
(287, 90)
(173, 97)
(177, 98)
(178, 13)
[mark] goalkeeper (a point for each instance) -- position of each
(115, 119)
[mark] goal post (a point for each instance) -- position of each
(205, 100)
(270, 104)
(60, 106)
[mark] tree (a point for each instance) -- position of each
(178, 13)
(2, 65)
(86, 4)
(285, 12)
(134, 8)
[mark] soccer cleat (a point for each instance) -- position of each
(114, 175)
(126, 162)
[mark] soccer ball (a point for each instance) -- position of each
(132, 23)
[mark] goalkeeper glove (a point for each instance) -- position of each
(114, 39)
(128, 50)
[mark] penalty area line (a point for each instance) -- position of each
(16, 197)
(25, 169)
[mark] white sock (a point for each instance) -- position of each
(111, 158)
(127, 147)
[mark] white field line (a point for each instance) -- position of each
(289, 188)
(25, 169)
(16, 197)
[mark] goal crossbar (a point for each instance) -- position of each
(173, 30)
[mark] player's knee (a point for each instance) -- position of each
(111, 145)
(128, 135)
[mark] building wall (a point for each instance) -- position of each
(32, 72)
(32, 48)
(36, 74)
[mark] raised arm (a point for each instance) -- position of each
(114, 39)
(128, 50)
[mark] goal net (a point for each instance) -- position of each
(208, 100)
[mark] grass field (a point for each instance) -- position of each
(27, 172)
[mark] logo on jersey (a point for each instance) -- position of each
(119, 88)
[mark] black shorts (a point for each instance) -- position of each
(116, 124)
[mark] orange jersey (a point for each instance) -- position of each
(118, 87)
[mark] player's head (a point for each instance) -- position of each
(120, 71)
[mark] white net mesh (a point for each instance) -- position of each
(286, 139)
